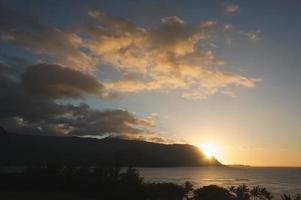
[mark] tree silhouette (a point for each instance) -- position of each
(297, 197)
(260, 193)
(288, 197)
(255, 192)
(242, 192)
(212, 192)
(188, 188)
(264, 194)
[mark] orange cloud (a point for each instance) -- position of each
(169, 56)
(166, 57)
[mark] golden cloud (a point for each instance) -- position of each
(169, 56)
(166, 57)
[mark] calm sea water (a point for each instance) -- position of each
(276, 180)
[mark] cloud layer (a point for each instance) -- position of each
(55, 81)
(167, 57)
(28, 32)
(173, 55)
(29, 106)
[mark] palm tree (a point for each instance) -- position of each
(255, 192)
(297, 197)
(261, 193)
(242, 192)
(286, 197)
(232, 189)
(264, 193)
(188, 188)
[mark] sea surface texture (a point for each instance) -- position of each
(276, 180)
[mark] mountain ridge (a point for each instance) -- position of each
(37, 150)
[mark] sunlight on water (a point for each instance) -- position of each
(276, 180)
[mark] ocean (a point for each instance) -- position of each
(277, 180)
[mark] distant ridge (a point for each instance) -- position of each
(27, 150)
(239, 166)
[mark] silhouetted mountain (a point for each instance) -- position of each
(2, 131)
(38, 150)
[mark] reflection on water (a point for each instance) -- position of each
(276, 180)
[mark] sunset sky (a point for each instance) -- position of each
(216, 72)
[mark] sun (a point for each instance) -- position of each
(209, 149)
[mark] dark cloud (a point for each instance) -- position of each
(95, 122)
(55, 81)
(15, 102)
(12, 65)
(28, 104)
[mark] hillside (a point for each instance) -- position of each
(36, 150)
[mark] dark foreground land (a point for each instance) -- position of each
(54, 182)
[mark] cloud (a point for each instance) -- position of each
(95, 122)
(29, 109)
(170, 56)
(253, 35)
(131, 85)
(43, 39)
(231, 8)
(172, 20)
(229, 93)
(209, 24)
(15, 102)
(231, 34)
(161, 58)
(55, 81)
(227, 27)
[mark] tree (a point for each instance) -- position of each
(188, 188)
(166, 191)
(286, 197)
(264, 194)
(255, 192)
(242, 192)
(297, 197)
(212, 192)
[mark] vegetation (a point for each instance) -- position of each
(114, 183)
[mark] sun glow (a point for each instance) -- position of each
(209, 149)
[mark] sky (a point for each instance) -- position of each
(224, 73)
